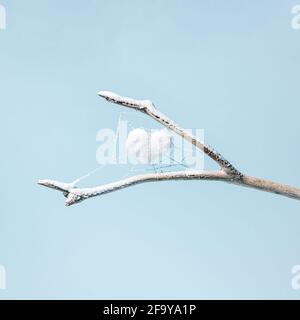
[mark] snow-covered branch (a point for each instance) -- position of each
(75, 195)
(228, 172)
(146, 106)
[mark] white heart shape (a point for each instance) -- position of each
(148, 148)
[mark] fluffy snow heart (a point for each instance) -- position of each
(148, 147)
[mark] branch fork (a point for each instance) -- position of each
(227, 173)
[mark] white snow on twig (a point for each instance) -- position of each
(129, 102)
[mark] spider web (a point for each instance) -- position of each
(168, 164)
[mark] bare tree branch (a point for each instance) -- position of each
(146, 106)
(75, 195)
(228, 172)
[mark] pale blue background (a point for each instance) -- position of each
(230, 67)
